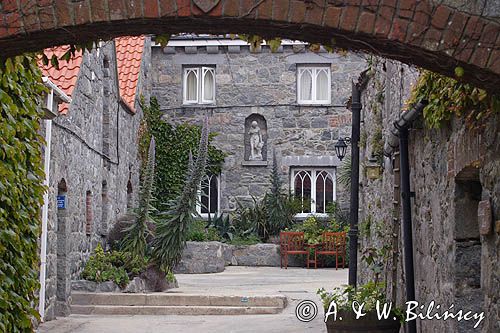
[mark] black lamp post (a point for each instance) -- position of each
(341, 147)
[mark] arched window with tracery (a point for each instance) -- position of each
(314, 188)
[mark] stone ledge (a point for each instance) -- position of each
(255, 163)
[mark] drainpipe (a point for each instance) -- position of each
(50, 113)
(400, 131)
(354, 207)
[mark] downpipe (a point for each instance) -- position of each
(399, 132)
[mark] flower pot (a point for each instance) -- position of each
(366, 324)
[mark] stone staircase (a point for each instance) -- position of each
(87, 303)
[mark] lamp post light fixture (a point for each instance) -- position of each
(341, 147)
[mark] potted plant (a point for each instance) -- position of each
(365, 308)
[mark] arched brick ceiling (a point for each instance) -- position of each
(420, 32)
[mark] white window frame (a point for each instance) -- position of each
(200, 72)
(314, 177)
(198, 202)
(314, 73)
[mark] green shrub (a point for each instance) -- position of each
(199, 232)
(251, 239)
(114, 266)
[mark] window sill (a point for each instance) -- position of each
(255, 163)
(315, 104)
(304, 216)
(200, 106)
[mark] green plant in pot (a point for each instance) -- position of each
(364, 308)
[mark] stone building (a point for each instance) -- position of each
(94, 166)
(291, 102)
(455, 174)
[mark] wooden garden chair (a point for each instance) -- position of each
(333, 244)
(291, 243)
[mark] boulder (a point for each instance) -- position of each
(257, 255)
(262, 255)
(155, 279)
(137, 285)
(227, 252)
(202, 257)
(84, 285)
(107, 287)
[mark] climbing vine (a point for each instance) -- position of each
(21, 191)
(448, 97)
(173, 145)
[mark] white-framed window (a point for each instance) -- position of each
(209, 196)
(313, 85)
(315, 188)
(199, 85)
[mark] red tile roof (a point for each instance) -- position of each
(129, 52)
(66, 76)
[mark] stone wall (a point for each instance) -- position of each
(212, 257)
(451, 170)
(263, 83)
(94, 148)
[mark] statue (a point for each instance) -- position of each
(256, 142)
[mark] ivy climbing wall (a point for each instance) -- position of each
(21, 191)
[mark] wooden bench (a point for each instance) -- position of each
(291, 243)
(333, 244)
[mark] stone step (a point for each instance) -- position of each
(170, 299)
(172, 310)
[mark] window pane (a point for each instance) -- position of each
(205, 188)
(328, 190)
(322, 85)
(320, 192)
(305, 92)
(302, 189)
(214, 195)
(208, 85)
(191, 86)
(324, 190)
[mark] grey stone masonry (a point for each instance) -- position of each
(451, 170)
(94, 151)
(265, 84)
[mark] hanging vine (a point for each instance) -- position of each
(448, 97)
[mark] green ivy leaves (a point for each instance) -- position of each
(21, 191)
(448, 97)
(173, 144)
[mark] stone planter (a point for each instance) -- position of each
(91, 286)
(150, 280)
(367, 324)
(202, 257)
(212, 257)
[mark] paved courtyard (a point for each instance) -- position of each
(296, 283)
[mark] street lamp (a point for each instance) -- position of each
(341, 147)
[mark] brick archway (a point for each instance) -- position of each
(438, 38)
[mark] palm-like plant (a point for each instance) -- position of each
(136, 235)
(171, 231)
(344, 176)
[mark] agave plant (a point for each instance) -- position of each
(137, 234)
(171, 231)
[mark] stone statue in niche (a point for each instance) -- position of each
(256, 142)
(255, 138)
